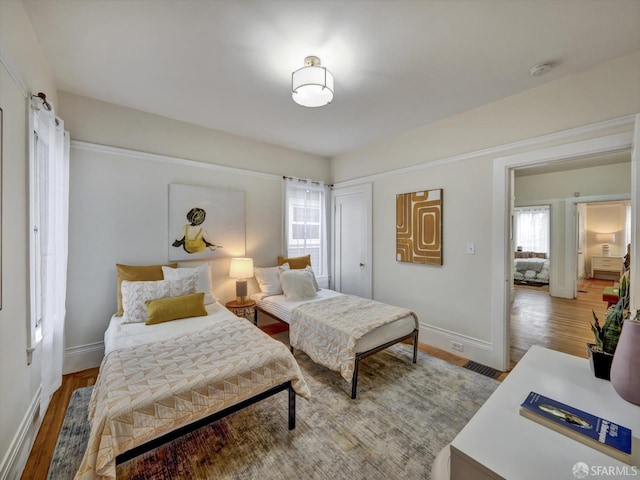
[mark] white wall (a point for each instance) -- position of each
(601, 180)
(104, 123)
(119, 203)
(454, 301)
(23, 68)
(606, 218)
(554, 189)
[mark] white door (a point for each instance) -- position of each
(512, 240)
(352, 240)
(581, 213)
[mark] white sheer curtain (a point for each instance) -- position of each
(305, 223)
(49, 184)
(532, 228)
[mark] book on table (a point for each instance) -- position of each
(604, 435)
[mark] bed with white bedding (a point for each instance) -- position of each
(156, 380)
(531, 268)
(338, 330)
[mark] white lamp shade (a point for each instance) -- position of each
(241, 268)
(605, 237)
(312, 86)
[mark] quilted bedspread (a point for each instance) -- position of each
(146, 391)
(327, 330)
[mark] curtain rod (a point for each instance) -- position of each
(304, 180)
(47, 106)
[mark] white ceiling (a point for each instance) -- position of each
(397, 64)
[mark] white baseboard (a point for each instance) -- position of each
(479, 351)
(16, 458)
(82, 357)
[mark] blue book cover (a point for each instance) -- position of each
(584, 424)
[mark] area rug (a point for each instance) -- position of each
(403, 416)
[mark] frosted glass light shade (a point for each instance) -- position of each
(312, 85)
(241, 268)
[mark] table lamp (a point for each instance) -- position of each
(241, 269)
(605, 239)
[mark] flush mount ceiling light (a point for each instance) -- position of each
(312, 85)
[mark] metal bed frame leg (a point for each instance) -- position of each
(292, 408)
(415, 347)
(354, 379)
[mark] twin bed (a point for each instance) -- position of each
(338, 331)
(158, 381)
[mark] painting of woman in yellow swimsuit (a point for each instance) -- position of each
(214, 227)
(193, 238)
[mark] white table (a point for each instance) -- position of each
(499, 443)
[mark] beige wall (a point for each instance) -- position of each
(454, 301)
(555, 189)
(104, 123)
(606, 218)
(602, 180)
(23, 59)
(118, 207)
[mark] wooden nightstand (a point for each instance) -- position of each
(245, 310)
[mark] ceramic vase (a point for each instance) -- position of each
(625, 369)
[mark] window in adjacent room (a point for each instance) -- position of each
(305, 223)
(532, 228)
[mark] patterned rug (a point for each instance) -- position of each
(403, 416)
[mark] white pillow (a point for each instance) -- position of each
(298, 284)
(134, 294)
(203, 273)
(308, 269)
(269, 279)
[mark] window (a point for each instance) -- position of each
(532, 228)
(306, 225)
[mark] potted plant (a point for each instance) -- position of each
(607, 335)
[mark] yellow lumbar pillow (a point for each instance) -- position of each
(173, 308)
(295, 262)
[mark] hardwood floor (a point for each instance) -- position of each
(42, 450)
(557, 323)
(536, 319)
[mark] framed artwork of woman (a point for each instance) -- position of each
(205, 223)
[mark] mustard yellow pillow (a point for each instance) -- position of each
(295, 262)
(134, 273)
(172, 308)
